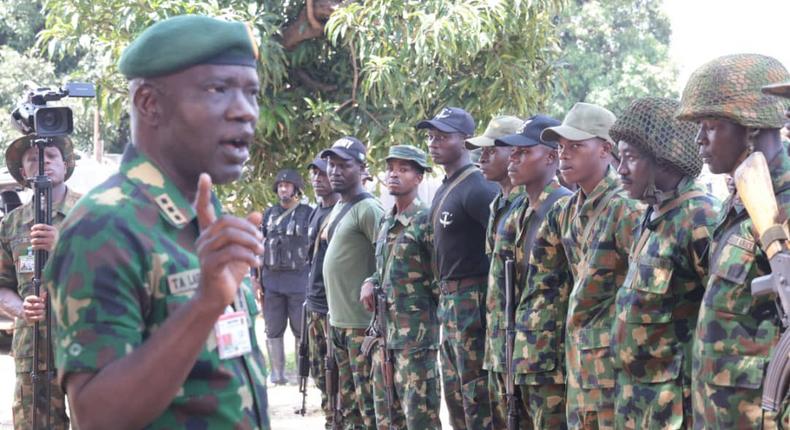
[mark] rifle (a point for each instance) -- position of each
(42, 203)
(386, 354)
(304, 361)
(753, 183)
(510, 338)
(332, 389)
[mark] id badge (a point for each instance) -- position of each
(233, 335)
(27, 263)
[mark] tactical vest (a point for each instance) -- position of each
(287, 241)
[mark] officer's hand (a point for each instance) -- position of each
(43, 237)
(34, 308)
(227, 247)
(367, 297)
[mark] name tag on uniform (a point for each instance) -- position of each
(233, 335)
(184, 281)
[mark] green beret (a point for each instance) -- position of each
(178, 43)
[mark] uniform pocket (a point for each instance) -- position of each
(655, 370)
(596, 365)
(734, 371)
(645, 302)
(732, 267)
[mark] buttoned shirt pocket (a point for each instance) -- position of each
(646, 300)
(655, 370)
(536, 342)
(732, 267)
(734, 371)
(408, 321)
(596, 365)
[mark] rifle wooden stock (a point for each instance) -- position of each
(386, 354)
(510, 338)
(332, 389)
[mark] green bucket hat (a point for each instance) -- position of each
(729, 87)
(410, 153)
(498, 127)
(649, 123)
(17, 148)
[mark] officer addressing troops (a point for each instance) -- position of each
(538, 353)
(20, 237)
(459, 216)
(351, 232)
(150, 293)
(736, 332)
(285, 270)
(658, 304)
(405, 277)
(315, 300)
(590, 234)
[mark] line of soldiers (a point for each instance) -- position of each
(623, 304)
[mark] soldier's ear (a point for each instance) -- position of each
(146, 103)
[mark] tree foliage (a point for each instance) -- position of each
(613, 52)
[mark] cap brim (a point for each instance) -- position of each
(478, 142)
(432, 123)
(516, 140)
(336, 152)
(318, 164)
(424, 167)
(781, 90)
(553, 134)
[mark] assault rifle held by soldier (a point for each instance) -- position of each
(332, 389)
(753, 182)
(510, 338)
(386, 354)
(303, 365)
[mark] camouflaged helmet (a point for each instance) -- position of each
(729, 87)
(649, 123)
(17, 148)
(289, 175)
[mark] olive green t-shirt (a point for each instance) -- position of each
(349, 260)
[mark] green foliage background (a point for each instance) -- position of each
(383, 65)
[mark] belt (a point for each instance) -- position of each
(456, 285)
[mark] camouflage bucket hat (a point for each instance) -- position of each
(410, 153)
(649, 123)
(729, 87)
(17, 148)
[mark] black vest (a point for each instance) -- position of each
(286, 242)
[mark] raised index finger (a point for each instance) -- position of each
(203, 206)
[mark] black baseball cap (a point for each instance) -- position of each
(319, 163)
(529, 133)
(347, 148)
(451, 120)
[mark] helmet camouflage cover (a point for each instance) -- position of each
(729, 87)
(649, 123)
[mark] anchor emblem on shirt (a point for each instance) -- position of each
(446, 219)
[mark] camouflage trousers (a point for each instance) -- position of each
(643, 405)
(462, 318)
(539, 406)
(22, 406)
(415, 405)
(354, 384)
(590, 389)
(316, 326)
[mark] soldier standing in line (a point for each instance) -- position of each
(351, 233)
(403, 271)
(736, 332)
(590, 234)
(284, 271)
(538, 367)
(317, 308)
(658, 304)
(459, 216)
(149, 280)
(19, 239)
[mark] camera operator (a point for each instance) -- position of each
(20, 237)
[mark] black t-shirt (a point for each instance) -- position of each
(460, 227)
(316, 293)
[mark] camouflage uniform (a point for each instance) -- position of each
(542, 397)
(15, 247)
(558, 248)
(403, 250)
(736, 332)
(126, 259)
(316, 331)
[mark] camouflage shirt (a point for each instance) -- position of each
(597, 265)
(498, 211)
(736, 332)
(126, 259)
(16, 270)
(657, 305)
(404, 250)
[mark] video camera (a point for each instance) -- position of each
(34, 116)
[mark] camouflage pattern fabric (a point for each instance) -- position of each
(126, 259)
(14, 250)
(355, 388)
(558, 248)
(417, 391)
(736, 332)
(462, 317)
(498, 211)
(729, 87)
(540, 406)
(316, 326)
(657, 309)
